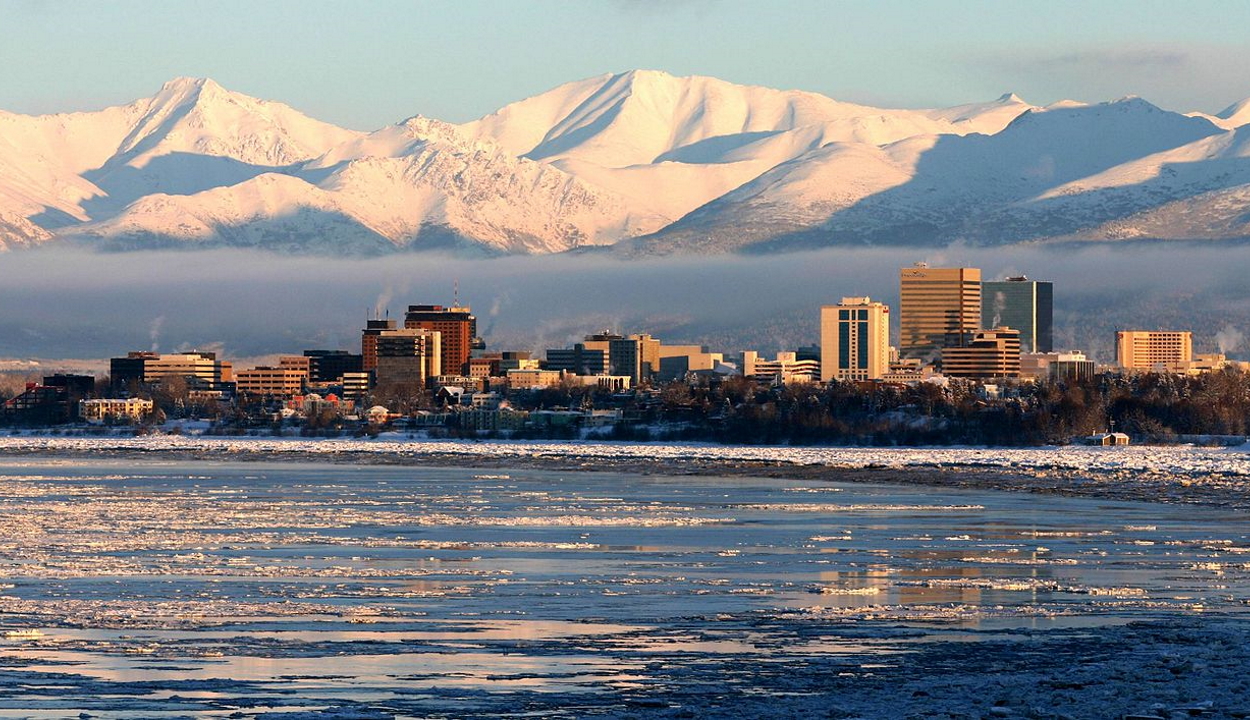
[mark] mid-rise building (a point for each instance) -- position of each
(369, 341)
(854, 340)
(267, 381)
(1022, 304)
(637, 356)
(989, 354)
(408, 357)
(356, 384)
(785, 368)
(328, 366)
(938, 308)
(534, 379)
(676, 361)
(200, 370)
(75, 388)
(1064, 366)
(102, 410)
(1146, 350)
(457, 327)
(579, 359)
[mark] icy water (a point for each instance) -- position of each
(282, 590)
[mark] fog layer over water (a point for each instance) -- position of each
(76, 304)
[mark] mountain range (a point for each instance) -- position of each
(641, 161)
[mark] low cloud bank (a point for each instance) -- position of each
(76, 304)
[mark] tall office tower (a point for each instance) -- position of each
(854, 340)
(369, 342)
(1023, 304)
(457, 326)
(408, 357)
(1145, 350)
(989, 354)
(938, 307)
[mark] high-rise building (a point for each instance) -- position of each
(1170, 351)
(989, 354)
(408, 357)
(1023, 304)
(938, 308)
(455, 324)
(854, 340)
(369, 342)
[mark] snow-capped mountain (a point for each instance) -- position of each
(643, 160)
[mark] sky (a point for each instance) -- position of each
(365, 65)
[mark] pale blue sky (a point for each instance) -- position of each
(364, 65)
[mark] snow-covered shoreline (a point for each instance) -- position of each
(1188, 474)
(1182, 460)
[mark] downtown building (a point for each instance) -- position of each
(1153, 351)
(457, 328)
(989, 354)
(854, 340)
(407, 358)
(1022, 304)
(200, 370)
(938, 308)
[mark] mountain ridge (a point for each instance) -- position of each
(644, 161)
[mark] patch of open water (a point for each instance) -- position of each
(172, 589)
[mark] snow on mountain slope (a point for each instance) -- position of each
(195, 135)
(939, 189)
(18, 232)
(192, 135)
(676, 143)
(476, 190)
(416, 184)
(644, 116)
(272, 211)
(662, 162)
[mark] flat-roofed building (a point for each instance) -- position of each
(854, 340)
(610, 383)
(408, 357)
(1021, 304)
(369, 341)
(1150, 350)
(785, 368)
(530, 379)
(1065, 366)
(356, 384)
(938, 308)
(200, 370)
(328, 366)
(579, 359)
(990, 354)
(125, 372)
(100, 410)
(457, 327)
(676, 361)
(267, 381)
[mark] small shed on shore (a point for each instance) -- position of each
(1107, 439)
